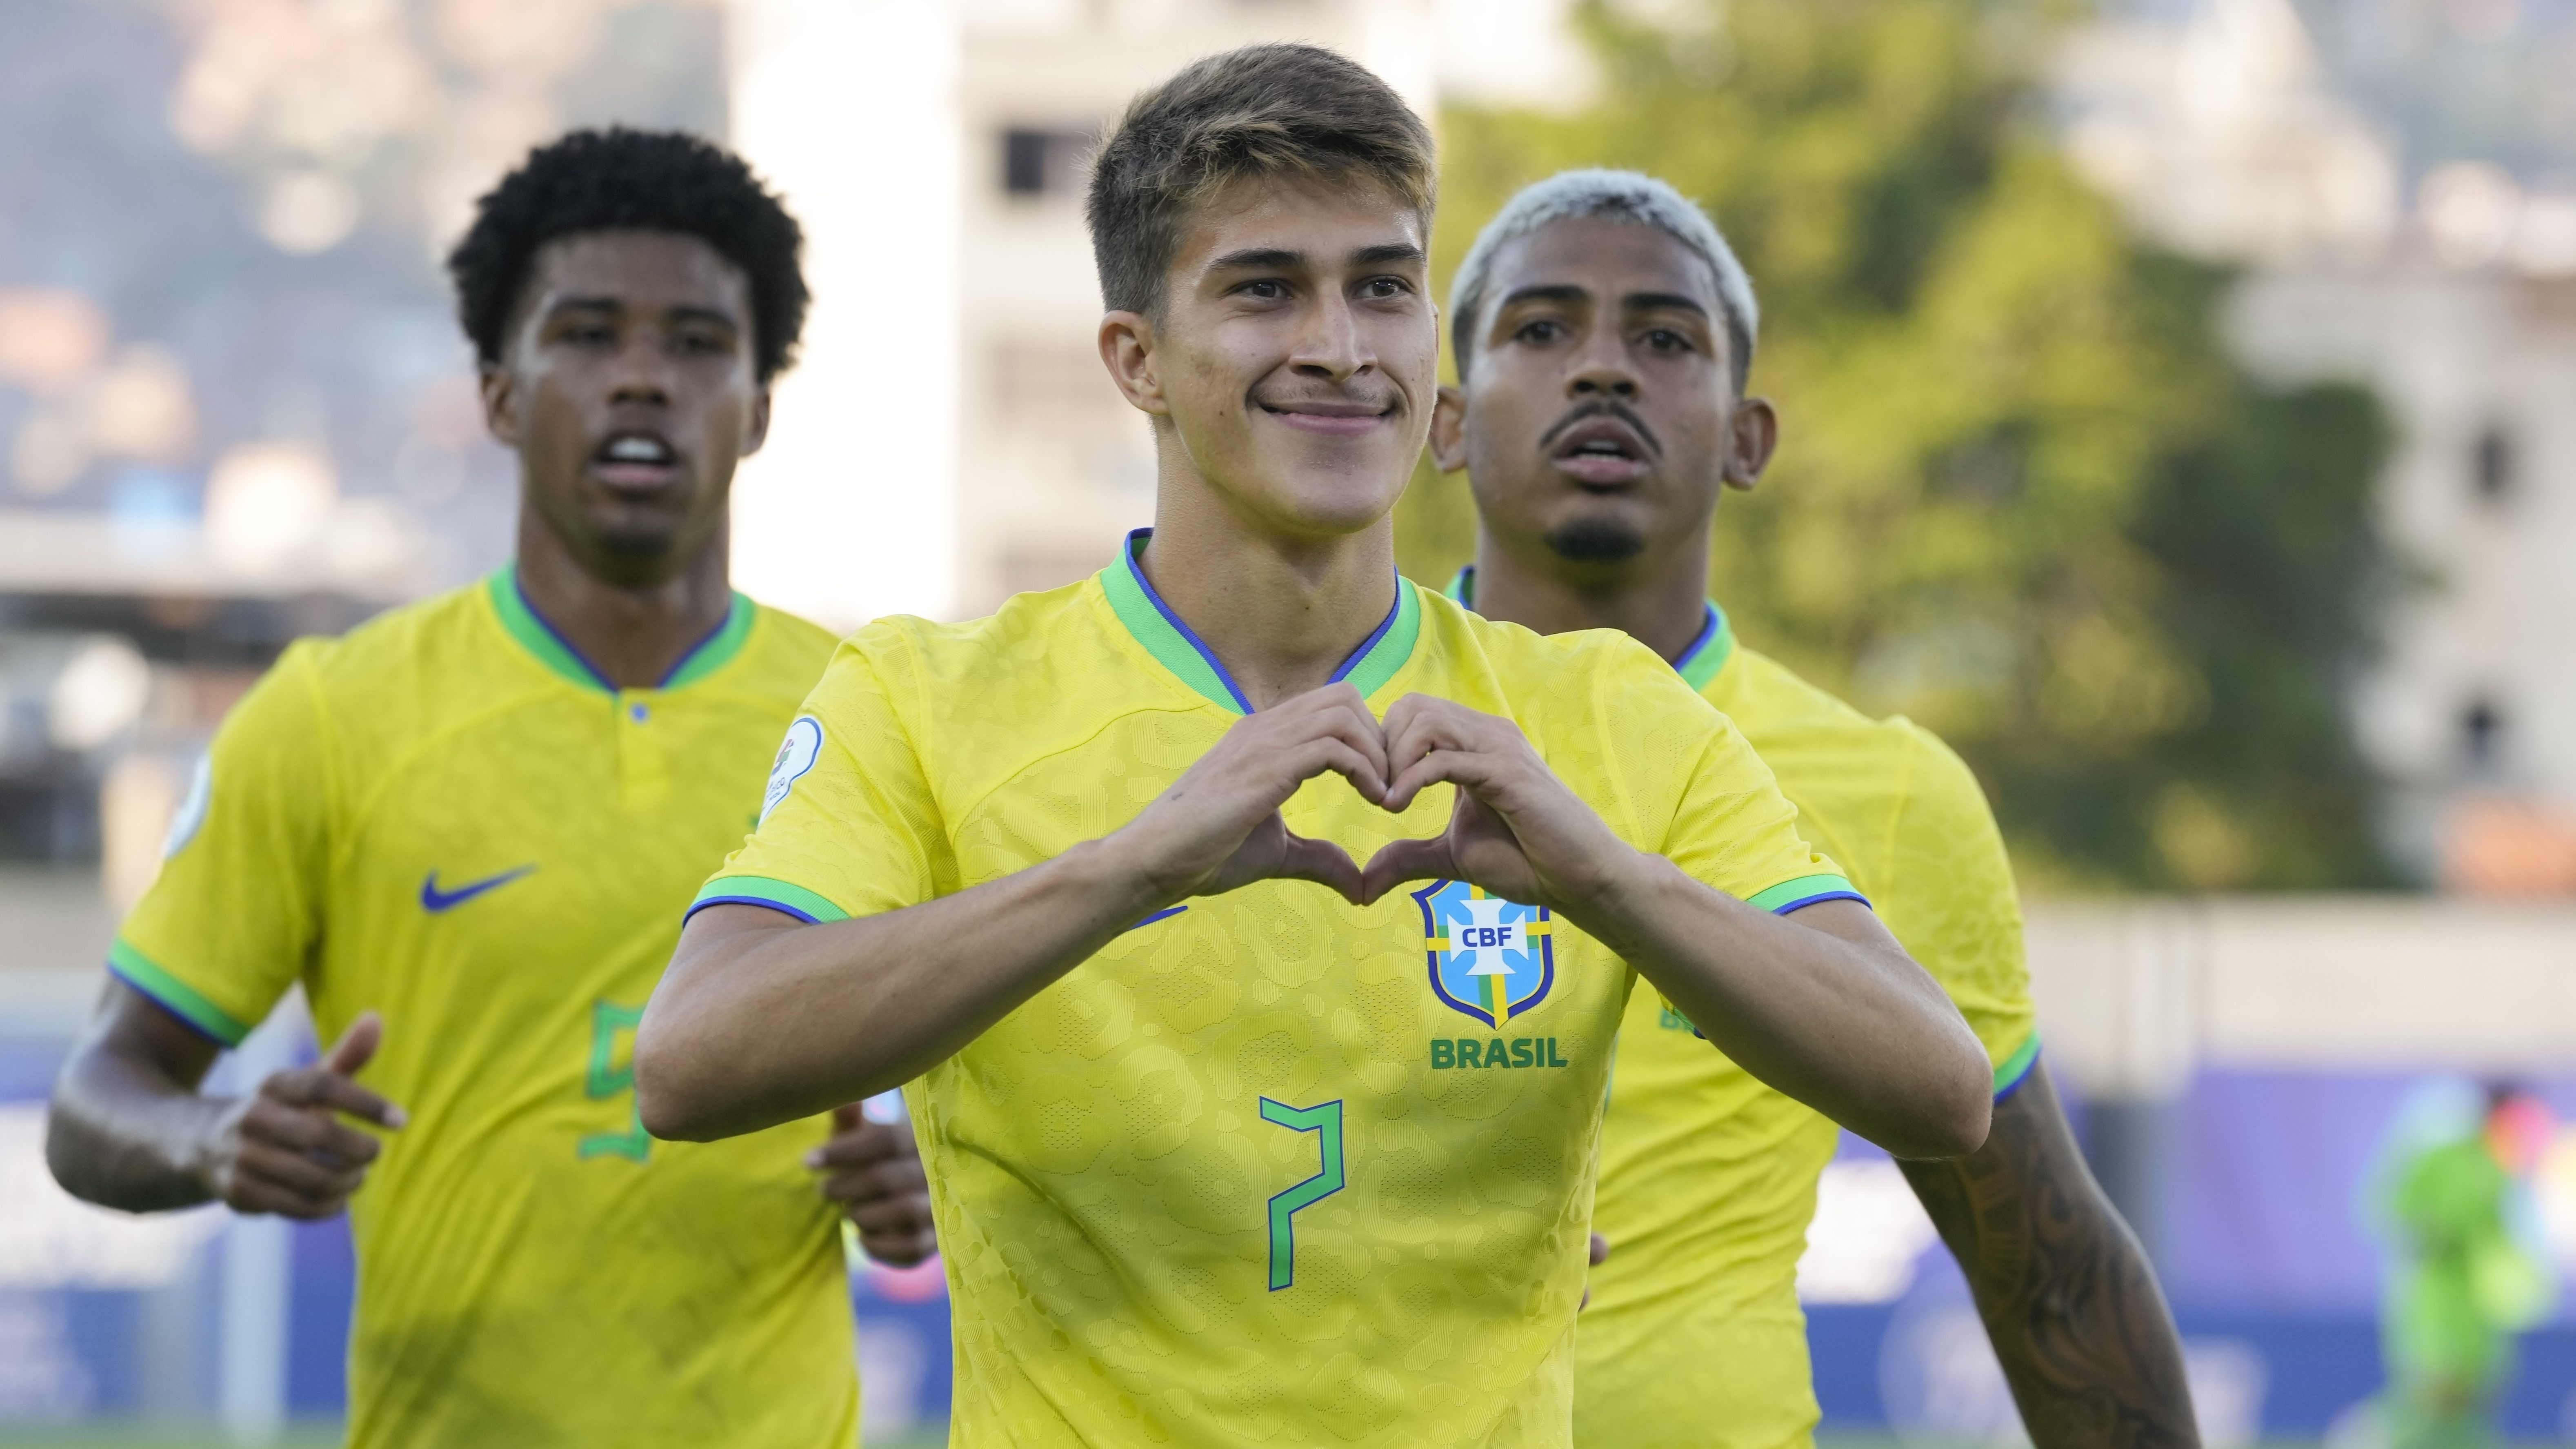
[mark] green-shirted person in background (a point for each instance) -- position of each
(469, 829)
(1602, 331)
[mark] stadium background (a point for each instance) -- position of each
(2177, 420)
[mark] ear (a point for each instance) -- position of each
(1752, 434)
(1127, 348)
(758, 431)
(500, 404)
(1449, 429)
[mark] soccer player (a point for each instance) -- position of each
(470, 828)
(1603, 329)
(1230, 1138)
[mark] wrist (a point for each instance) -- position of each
(1109, 871)
(1614, 902)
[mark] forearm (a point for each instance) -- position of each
(123, 1134)
(760, 1021)
(1852, 1028)
(2067, 1296)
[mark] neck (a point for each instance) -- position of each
(1659, 601)
(633, 633)
(1280, 614)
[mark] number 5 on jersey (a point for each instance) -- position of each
(1324, 1120)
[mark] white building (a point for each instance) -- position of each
(2223, 136)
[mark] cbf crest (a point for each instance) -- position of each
(1491, 958)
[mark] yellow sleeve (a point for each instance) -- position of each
(1946, 893)
(1730, 826)
(233, 917)
(849, 825)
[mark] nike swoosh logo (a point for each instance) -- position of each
(434, 900)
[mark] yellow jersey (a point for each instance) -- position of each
(1708, 1177)
(447, 816)
(1269, 1168)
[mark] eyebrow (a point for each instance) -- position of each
(685, 311)
(1648, 301)
(1282, 257)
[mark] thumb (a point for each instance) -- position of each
(1399, 861)
(356, 1046)
(849, 1117)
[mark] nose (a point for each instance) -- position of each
(1601, 368)
(1330, 345)
(641, 375)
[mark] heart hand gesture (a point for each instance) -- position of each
(1516, 830)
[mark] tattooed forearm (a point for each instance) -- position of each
(2066, 1294)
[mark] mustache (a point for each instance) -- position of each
(1602, 408)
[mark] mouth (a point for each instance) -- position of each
(1601, 452)
(635, 461)
(1331, 419)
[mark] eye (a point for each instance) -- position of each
(1383, 288)
(1268, 289)
(701, 343)
(1541, 330)
(1665, 339)
(589, 334)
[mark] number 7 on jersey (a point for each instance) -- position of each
(1325, 1120)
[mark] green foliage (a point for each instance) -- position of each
(2022, 494)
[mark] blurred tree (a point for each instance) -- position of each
(2022, 496)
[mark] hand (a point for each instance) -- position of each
(875, 1175)
(282, 1150)
(1516, 830)
(1218, 826)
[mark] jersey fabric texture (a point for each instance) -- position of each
(1270, 1168)
(447, 816)
(1708, 1177)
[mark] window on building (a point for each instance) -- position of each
(2491, 466)
(1043, 163)
(2481, 735)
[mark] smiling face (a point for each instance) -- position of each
(1292, 369)
(1599, 420)
(628, 389)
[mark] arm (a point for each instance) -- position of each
(1823, 1006)
(128, 1128)
(2067, 1297)
(762, 1019)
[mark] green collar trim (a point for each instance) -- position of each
(521, 621)
(1178, 649)
(1699, 663)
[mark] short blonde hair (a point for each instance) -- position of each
(1263, 110)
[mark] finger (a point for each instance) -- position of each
(906, 1214)
(1340, 752)
(322, 1088)
(296, 1129)
(899, 1250)
(866, 1143)
(883, 1182)
(1401, 861)
(356, 1046)
(1324, 863)
(294, 1173)
(251, 1196)
(1600, 1250)
(1470, 770)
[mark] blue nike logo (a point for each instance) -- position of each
(434, 900)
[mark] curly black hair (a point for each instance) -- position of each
(628, 180)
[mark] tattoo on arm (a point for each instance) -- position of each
(2067, 1296)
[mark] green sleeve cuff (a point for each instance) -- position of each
(760, 890)
(174, 995)
(1806, 890)
(2015, 1069)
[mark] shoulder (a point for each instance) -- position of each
(1040, 657)
(784, 655)
(1808, 732)
(1550, 677)
(400, 650)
